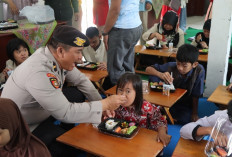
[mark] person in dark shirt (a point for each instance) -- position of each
(185, 73)
(202, 38)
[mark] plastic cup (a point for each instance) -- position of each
(166, 89)
(145, 87)
(170, 47)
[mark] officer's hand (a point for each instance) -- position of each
(113, 102)
(167, 77)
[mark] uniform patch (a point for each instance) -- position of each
(51, 75)
(54, 82)
(79, 41)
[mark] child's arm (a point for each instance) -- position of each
(158, 123)
(196, 130)
(162, 75)
(151, 33)
(163, 136)
(194, 116)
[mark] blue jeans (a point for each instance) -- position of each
(183, 17)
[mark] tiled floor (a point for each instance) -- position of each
(195, 21)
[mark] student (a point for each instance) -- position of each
(138, 110)
(204, 126)
(166, 31)
(16, 140)
(17, 52)
(186, 74)
(202, 38)
(96, 51)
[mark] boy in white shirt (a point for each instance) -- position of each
(96, 51)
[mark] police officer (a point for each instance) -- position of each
(36, 86)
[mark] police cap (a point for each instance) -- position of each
(70, 36)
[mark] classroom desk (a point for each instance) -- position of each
(201, 58)
(159, 99)
(89, 139)
(96, 76)
(139, 49)
(220, 95)
(189, 148)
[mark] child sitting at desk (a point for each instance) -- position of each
(204, 126)
(186, 74)
(17, 52)
(96, 51)
(16, 140)
(138, 110)
(166, 31)
(202, 38)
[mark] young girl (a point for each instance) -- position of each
(17, 52)
(202, 38)
(166, 31)
(136, 109)
(16, 140)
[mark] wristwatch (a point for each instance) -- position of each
(104, 34)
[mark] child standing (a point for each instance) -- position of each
(136, 109)
(187, 74)
(17, 52)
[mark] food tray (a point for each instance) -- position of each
(121, 124)
(4, 25)
(88, 66)
(203, 51)
(152, 47)
(158, 87)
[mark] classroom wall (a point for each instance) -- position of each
(219, 46)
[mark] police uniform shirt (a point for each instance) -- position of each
(35, 86)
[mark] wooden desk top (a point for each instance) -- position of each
(142, 50)
(220, 95)
(201, 58)
(189, 148)
(96, 75)
(88, 138)
(157, 98)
